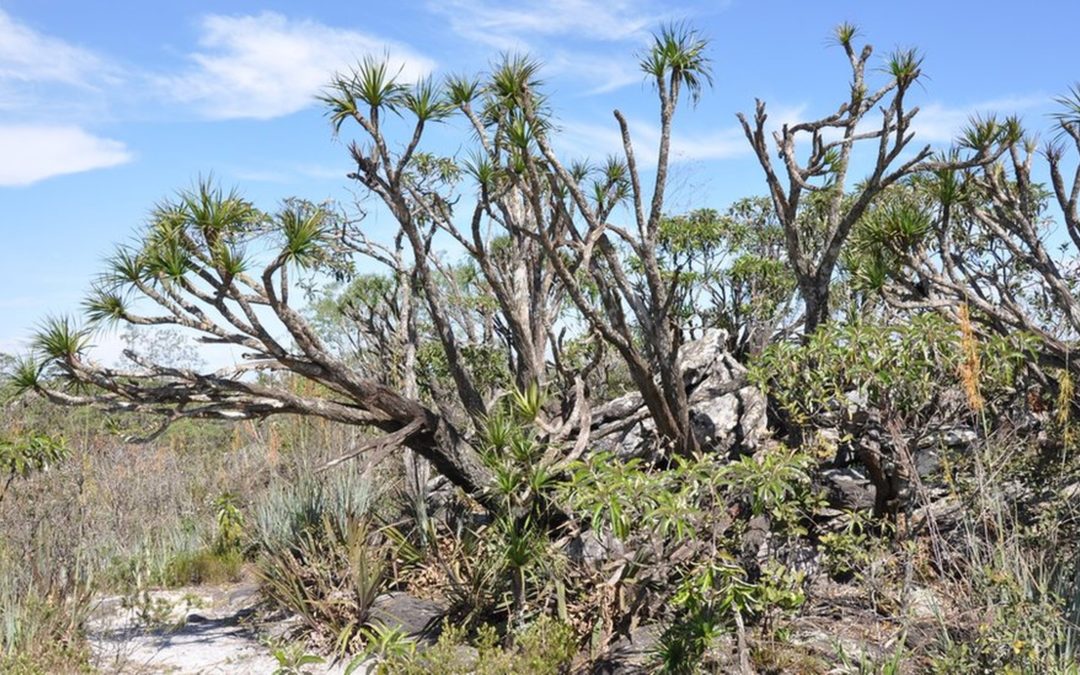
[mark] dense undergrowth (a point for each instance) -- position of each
(874, 469)
(724, 564)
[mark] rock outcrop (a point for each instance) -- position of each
(727, 412)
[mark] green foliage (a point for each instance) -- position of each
(845, 33)
(1019, 600)
(619, 497)
(202, 566)
(516, 564)
(775, 483)
(305, 230)
(26, 373)
(654, 512)
(384, 644)
(26, 453)
(230, 524)
(293, 659)
(714, 598)
(329, 577)
(905, 66)
(320, 556)
(43, 620)
(288, 509)
(677, 54)
(899, 368)
(850, 550)
(729, 270)
(544, 647)
(371, 83)
(60, 338)
(1069, 116)
(485, 362)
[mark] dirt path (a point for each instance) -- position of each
(204, 630)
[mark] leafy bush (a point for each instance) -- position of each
(43, 620)
(23, 454)
(544, 647)
(903, 369)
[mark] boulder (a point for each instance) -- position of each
(847, 489)
(630, 654)
(416, 617)
(593, 550)
(727, 413)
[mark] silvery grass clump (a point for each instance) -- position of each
(289, 508)
(320, 555)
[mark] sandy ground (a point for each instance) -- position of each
(192, 630)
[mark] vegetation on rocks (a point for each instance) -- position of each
(560, 429)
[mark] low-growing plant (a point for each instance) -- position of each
(230, 523)
(775, 483)
(543, 647)
(849, 550)
(43, 621)
(329, 577)
(25, 453)
(293, 659)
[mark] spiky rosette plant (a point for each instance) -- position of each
(210, 263)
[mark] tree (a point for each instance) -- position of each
(730, 273)
(649, 339)
(814, 245)
(190, 270)
(985, 239)
(212, 264)
(554, 220)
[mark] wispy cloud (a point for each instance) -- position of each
(596, 141)
(34, 65)
(600, 73)
(36, 152)
(513, 26)
(37, 69)
(940, 123)
(288, 174)
(27, 55)
(267, 65)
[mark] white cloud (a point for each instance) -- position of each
(597, 141)
(615, 31)
(288, 174)
(938, 123)
(29, 56)
(510, 26)
(266, 66)
(36, 152)
(601, 74)
(14, 346)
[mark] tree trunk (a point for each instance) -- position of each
(815, 294)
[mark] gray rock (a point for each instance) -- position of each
(630, 653)
(715, 422)
(727, 414)
(591, 549)
(699, 358)
(1070, 491)
(928, 456)
(417, 618)
(848, 489)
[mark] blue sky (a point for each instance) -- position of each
(106, 108)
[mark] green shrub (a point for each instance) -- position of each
(206, 566)
(290, 508)
(318, 554)
(42, 623)
(544, 647)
